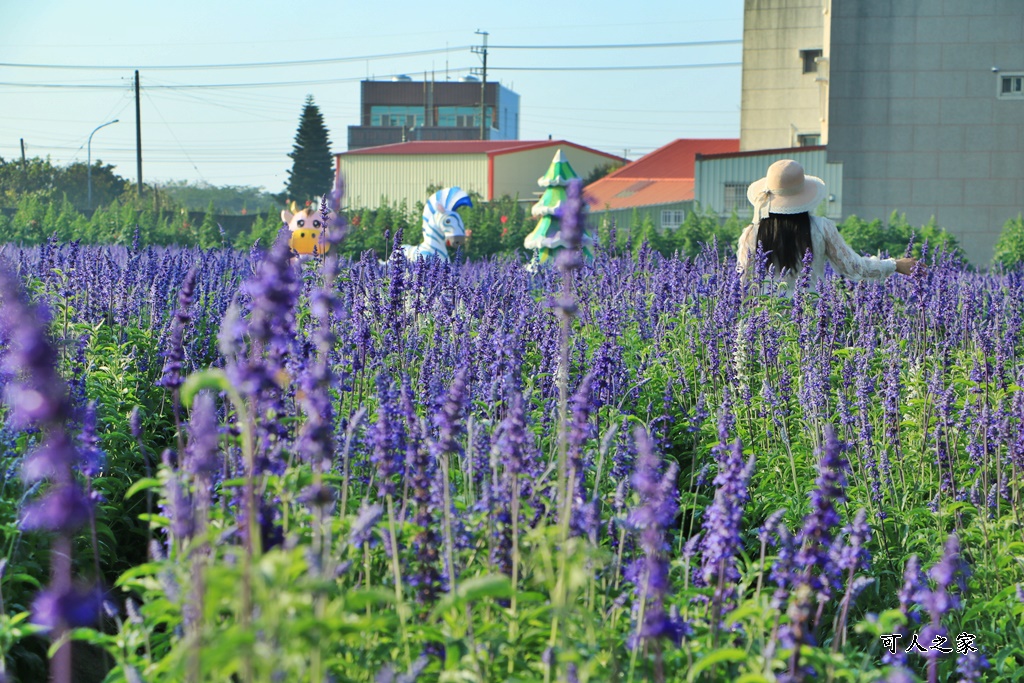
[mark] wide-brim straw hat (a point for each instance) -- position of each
(785, 189)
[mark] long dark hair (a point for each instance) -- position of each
(785, 238)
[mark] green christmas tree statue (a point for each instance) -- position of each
(546, 239)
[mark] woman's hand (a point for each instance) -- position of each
(907, 266)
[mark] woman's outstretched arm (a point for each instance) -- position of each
(848, 262)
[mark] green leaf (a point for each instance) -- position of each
(729, 654)
(211, 378)
(486, 586)
(357, 600)
(160, 520)
(139, 570)
(751, 678)
(17, 618)
(143, 484)
(23, 578)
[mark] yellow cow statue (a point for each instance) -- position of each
(308, 229)
(313, 229)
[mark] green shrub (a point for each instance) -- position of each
(1009, 250)
(876, 237)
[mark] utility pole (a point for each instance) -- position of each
(23, 162)
(138, 135)
(482, 51)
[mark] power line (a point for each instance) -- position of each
(646, 111)
(209, 86)
(652, 67)
(69, 86)
(261, 114)
(329, 81)
(361, 58)
(176, 140)
(248, 65)
(701, 43)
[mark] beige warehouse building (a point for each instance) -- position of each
(403, 172)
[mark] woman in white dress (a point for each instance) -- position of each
(785, 229)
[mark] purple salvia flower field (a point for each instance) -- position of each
(229, 466)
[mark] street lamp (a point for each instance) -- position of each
(88, 168)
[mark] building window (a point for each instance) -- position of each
(672, 219)
(395, 115)
(735, 198)
(462, 117)
(1011, 87)
(808, 140)
(809, 59)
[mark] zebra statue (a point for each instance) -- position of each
(442, 226)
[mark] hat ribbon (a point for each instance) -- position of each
(762, 202)
(764, 199)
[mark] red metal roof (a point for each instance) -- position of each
(675, 160)
(625, 193)
(488, 147)
(665, 176)
(779, 152)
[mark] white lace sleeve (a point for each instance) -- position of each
(847, 262)
(746, 248)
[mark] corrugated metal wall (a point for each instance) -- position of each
(517, 172)
(370, 178)
(391, 178)
(624, 218)
(713, 174)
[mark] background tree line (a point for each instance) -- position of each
(40, 178)
(494, 228)
(40, 200)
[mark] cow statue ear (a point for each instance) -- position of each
(286, 215)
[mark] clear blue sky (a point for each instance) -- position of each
(241, 136)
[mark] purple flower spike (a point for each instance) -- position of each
(853, 555)
(818, 532)
(72, 608)
(970, 666)
(448, 419)
(51, 459)
(92, 456)
(363, 525)
(135, 423)
(949, 567)
(651, 519)
(722, 524)
(949, 570)
(202, 455)
(35, 394)
(175, 354)
(37, 397)
(898, 675)
(65, 508)
(913, 583)
(572, 216)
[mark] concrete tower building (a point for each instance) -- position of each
(917, 106)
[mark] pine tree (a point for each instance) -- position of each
(312, 174)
